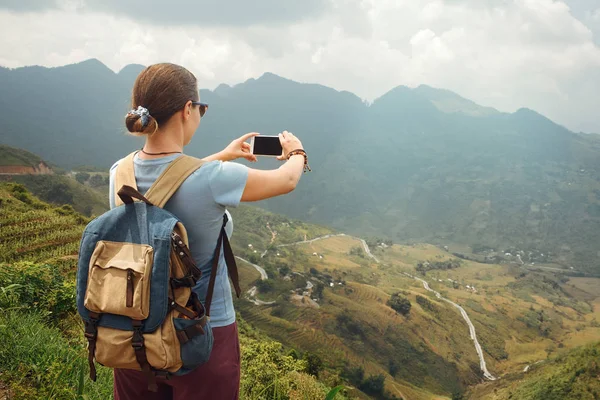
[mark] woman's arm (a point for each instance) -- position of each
(263, 184)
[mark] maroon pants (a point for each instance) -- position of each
(217, 379)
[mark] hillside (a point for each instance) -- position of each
(328, 294)
(22, 167)
(573, 374)
(335, 303)
(36, 231)
(417, 165)
(11, 159)
(38, 257)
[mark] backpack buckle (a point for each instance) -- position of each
(186, 281)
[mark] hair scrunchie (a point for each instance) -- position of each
(143, 113)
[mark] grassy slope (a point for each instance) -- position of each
(573, 374)
(32, 231)
(12, 156)
(60, 190)
(35, 231)
(507, 299)
(507, 306)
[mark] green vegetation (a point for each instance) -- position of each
(423, 267)
(61, 190)
(568, 376)
(17, 157)
(35, 231)
(399, 303)
(348, 329)
(42, 348)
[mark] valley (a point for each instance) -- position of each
(469, 290)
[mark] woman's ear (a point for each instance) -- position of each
(187, 110)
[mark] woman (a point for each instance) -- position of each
(166, 109)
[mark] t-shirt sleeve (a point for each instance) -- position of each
(227, 182)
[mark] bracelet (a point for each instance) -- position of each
(303, 153)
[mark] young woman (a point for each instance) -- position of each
(167, 111)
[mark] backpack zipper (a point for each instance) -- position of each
(129, 301)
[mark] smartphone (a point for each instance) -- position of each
(263, 145)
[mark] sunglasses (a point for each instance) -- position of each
(203, 107)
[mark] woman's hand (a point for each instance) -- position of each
(289, 142)
(238, 148)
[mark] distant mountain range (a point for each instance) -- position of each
(420, 164)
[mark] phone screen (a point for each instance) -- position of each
(267, 146)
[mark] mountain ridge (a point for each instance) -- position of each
(402, 166)
(422, 89)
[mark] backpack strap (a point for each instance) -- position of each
(124, 175)
(91, 334)
(165, 185)
(172, 177)
(231, 266)
(139, 348)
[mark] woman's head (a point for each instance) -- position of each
(163, 90)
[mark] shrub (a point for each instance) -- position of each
(373, 385)
(400, 304)
(27, 285)
(82, 177)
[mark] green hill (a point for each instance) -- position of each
(571, 375)
(36, 231)
(42, 348)
(55, 188)
(17, 157)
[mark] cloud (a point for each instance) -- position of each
(510, 54)
(28, 5)
(187, 12)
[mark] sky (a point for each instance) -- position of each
(507, 54)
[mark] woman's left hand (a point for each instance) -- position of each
(239, 149)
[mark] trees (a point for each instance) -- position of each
(314, 364)
(96, 180)
(400, 304)
(373, 385)
(82, 177)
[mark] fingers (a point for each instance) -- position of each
(248, 136)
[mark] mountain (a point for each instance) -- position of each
(419, 164)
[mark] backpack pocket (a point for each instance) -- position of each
(119, 279)
(196, 340)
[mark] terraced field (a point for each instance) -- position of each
(33, 231)
(504, 303)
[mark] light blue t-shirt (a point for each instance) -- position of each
(200, 203)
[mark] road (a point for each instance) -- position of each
(362, 241)
(261, 270)
(465, 316)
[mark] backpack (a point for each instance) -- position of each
(134, 281)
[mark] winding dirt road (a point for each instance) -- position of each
(465, 316)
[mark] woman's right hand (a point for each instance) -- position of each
(289, 142)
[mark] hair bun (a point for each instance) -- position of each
(139, 121)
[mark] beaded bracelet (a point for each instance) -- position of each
(302, 152)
